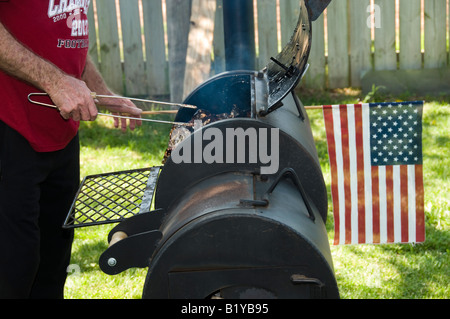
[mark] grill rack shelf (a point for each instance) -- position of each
(112, 197)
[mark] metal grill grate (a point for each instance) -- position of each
(113, 197)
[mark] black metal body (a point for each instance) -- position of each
(226, 228)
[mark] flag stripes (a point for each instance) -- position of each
(371, 203)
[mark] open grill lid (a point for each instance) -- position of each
(285, 71)
(316, 7)
(280, 76)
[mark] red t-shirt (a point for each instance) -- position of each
(56, 30)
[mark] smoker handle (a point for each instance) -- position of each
(289, 172)
(301, 279)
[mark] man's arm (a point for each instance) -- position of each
(95, 82)
(70, 95)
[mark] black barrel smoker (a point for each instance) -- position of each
(240, 205)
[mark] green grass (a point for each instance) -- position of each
(409, 271)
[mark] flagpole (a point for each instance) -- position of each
(311, 107)
(314, 107)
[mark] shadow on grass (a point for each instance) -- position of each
(423, 269)
(87, 255)
(396, 271)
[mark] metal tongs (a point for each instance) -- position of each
(95, 95)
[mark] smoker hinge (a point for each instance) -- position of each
(290, 71)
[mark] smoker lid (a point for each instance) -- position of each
(316, 7)
(285, 71)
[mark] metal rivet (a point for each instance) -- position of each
(112, 262)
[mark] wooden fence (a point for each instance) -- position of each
(141, 46)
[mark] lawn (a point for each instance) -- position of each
(411, 271)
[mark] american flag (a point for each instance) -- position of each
(375, 153)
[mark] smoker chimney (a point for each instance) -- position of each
(239, 35)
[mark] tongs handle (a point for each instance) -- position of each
(95, 95)
(188, 106)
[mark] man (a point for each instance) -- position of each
(43, 47)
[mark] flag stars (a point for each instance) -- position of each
(395, 133)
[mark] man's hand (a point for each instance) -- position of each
(122, 107)
(73, 99)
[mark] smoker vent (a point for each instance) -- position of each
(112, 197)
